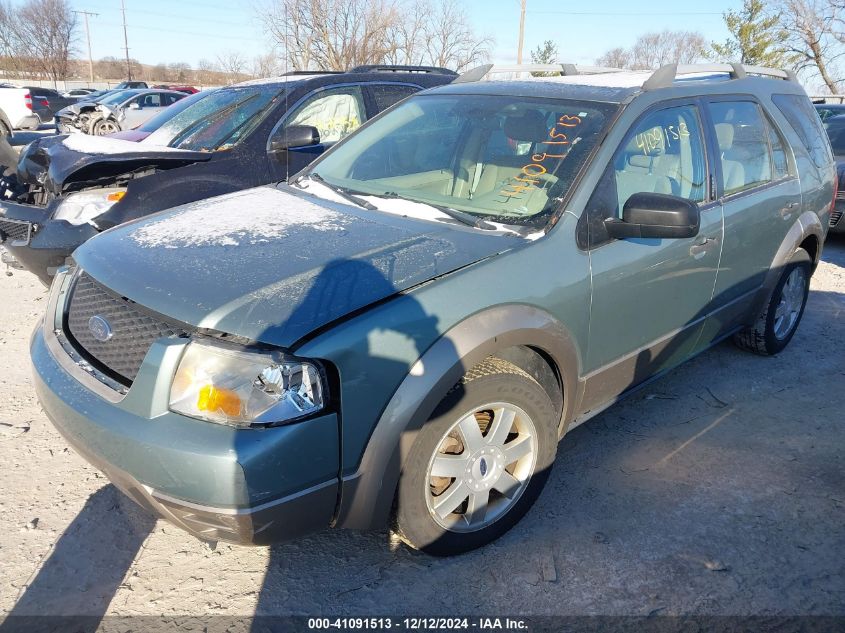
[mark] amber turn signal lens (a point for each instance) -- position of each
(116, 196)
(214, 400)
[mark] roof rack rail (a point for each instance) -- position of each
(480, 72)
(294, 73)
(666, 75)
(398, 68)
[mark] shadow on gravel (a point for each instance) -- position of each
(85, 567)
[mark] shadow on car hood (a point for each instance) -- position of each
(50, 162)
(273, 266)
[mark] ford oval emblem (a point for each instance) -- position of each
(482, 467)
(100, 328)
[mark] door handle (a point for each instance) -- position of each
(700, 248)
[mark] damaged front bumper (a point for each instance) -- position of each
(247, 486)
(41, 245)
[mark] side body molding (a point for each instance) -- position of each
(367, 494)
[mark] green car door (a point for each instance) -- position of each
(650, 296)
(761, 198)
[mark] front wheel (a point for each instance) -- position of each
(479, 463)
(102, 127)
(776, 325)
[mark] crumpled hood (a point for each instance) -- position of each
(68, 112)
(273, 265)
(55, 164)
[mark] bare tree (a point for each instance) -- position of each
(408, 33)
(340, 34)
(234, 65)
(37, 37)
(266, 65)
(615, 58)
(179, 72)
(450, 41)
(110, 68)
(206, 71)
(814, 36)
(653, 50)
(331, 34)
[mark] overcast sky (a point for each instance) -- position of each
(189, 30)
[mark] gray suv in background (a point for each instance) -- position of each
(402, 334)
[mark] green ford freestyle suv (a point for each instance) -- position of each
(403, 333)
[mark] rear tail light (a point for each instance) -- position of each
(45, 103)
(27, 98)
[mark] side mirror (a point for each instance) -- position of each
(134, 106)
(295, 136)
(655, 215)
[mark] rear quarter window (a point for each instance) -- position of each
(388, 95)
(805, 121)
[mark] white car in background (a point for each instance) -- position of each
(16, 104)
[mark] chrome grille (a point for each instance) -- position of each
(133, 330)
(835, 217)
(16, 232)
(840, 195)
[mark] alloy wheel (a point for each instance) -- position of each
(481, 467)
(790, 304)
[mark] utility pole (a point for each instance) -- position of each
(126, 41)
(521, 32)
(88, 35)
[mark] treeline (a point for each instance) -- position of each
(807, 36)
(40, 39)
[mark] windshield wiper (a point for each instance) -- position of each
(343, 193)
(461, 216)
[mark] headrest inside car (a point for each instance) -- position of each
(725, 135)
(528, 125)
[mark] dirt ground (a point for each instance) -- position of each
(718, 490)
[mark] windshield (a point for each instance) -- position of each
(117, 97)
(168, 113)
(220, 120)
(501, 158)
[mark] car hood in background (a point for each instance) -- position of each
(55, 162)
(130, 135)
(273, 266)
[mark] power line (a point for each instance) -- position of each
(88, 37)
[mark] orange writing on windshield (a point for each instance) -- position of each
(531, 172)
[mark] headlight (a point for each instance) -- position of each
(244, 388)
(79, 208)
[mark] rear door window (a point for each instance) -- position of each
(743, 139)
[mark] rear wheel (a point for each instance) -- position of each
(102, 127)
(479, 463)
(778, 322)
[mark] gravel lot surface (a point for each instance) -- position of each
(720, 489)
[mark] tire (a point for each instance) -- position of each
(778, 322)
(102, 127)
(490, 395)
